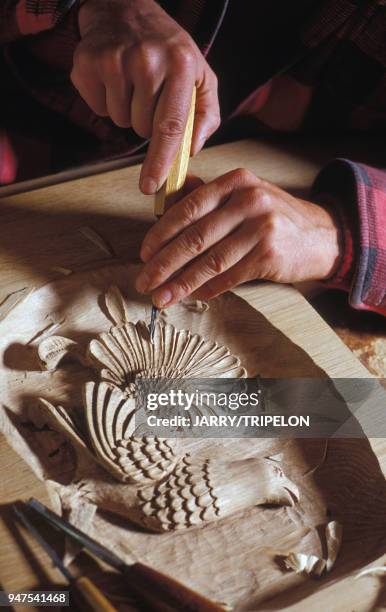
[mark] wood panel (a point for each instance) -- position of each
(41, 232)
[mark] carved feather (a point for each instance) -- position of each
(198, 492)
(111, 425)
(126, 351)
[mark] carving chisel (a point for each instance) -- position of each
(158, 592)
(171, 189)
(87, 595)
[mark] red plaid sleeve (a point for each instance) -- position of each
(23, 17)
(361, 192)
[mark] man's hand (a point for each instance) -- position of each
(232, 230)
(135, 64)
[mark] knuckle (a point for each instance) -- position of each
(183, 56)
(144, 57)
(193, 240)
(258, 198)
(190, 210)
(160, 270)
(242, 175)
(215, 262)
(171, 127)
(185, 286)
(273, 224)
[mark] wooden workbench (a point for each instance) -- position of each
(40, 233)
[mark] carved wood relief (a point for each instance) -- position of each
(175, 490)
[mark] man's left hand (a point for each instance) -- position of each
(232, 230)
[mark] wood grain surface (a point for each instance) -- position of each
(41, 233)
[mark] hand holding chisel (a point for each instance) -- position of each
(171, 189)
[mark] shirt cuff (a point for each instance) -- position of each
(34, 16)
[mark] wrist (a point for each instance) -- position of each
(114, 13)
(341, 274)
(334, 242)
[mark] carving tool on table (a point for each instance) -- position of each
(157, 591)
(87, 595)
(171, 189)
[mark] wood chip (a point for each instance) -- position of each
(55, 323)
(13, 299)
(334, 542)
(308, 564)
(197, 306)
(372, 572)
(277, 458)
(313, 565)
(97, 239)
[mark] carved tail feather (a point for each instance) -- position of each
(195, 494)
(111, 424)
(126, 351)
(146, 460)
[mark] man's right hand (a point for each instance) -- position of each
(135, 64)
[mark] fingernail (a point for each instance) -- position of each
(163, 298)
(143, 282)
(149, 185)
(146, 253)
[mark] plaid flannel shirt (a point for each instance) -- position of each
(340, 51)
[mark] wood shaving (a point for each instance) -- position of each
(96, 239)
(48, 330)
(277, 458)
(372, 571)
(334, 542)
(309, 564)
(13, 299)
(320, 463)
(196, 306)
(313, 565)
(61, 270)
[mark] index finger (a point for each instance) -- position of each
(169, 123)
(186, 212)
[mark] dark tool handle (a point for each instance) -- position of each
(161, 593)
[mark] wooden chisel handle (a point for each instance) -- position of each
(169, 192)
(161, 593)
(89, 597)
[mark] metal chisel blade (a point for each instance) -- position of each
(43, 543)
(84, 540)
(153, 320)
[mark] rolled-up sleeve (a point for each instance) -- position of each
(359, 192)
(25, 17)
